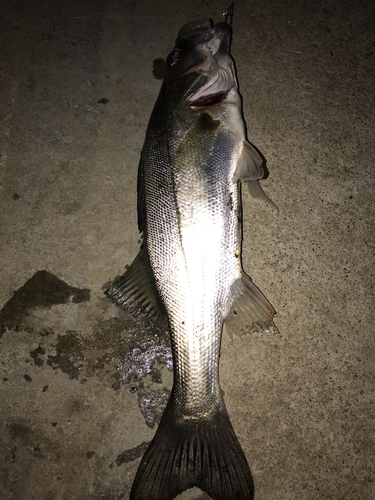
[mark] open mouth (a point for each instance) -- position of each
(209, 101)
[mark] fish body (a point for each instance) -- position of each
(189, 266)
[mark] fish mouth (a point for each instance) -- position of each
(216, 68)
(217, 87)
(201, 70)
(209, 100)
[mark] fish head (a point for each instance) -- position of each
(200, 70)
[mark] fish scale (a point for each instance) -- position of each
(189, 268)
(196, 290)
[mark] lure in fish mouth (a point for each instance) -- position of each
(189, 268)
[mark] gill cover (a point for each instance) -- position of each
(200, 70)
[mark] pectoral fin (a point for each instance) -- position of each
(250, 164)
(250, 168)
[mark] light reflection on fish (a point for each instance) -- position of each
(189, 266)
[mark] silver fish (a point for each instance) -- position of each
(189, 266)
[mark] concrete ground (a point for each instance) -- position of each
(82, 383)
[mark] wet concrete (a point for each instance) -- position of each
(83, 383)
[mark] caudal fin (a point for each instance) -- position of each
(182, 455)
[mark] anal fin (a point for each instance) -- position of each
(135, 290)
(250, 307)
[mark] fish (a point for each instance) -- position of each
(189, 269)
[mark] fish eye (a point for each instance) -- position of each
(174, 56)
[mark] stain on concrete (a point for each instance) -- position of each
(132, 454)
(152, 403)
(140, 348)
(28, 441)
(19, 430)
(14, 456)
(128, 349)
(143, 345)
(132, 350)
(44, 289)
(37, 354)
(69, 354)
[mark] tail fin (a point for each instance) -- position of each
(182, 455)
